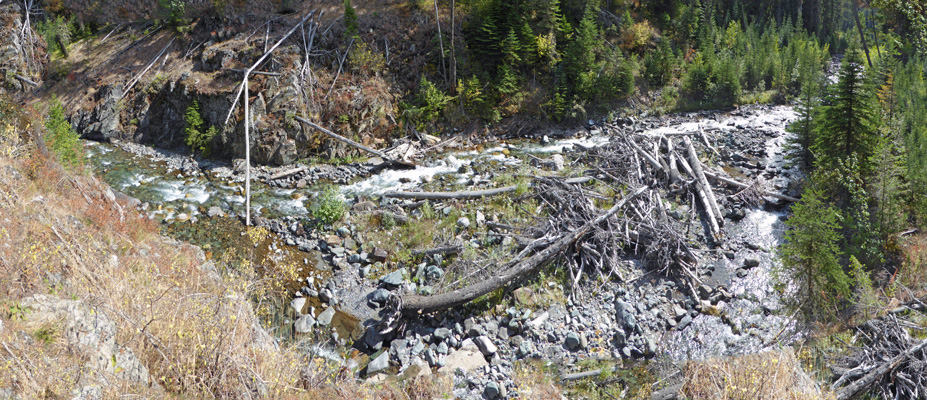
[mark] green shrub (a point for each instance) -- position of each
(196, 138)
(173, 13)
(363, 59)
(432, 102)
(62, 138)
(329, 206)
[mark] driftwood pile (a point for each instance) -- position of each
(892, 364)
(642, 170)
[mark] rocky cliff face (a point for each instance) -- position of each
(156, 116)
(153, 110)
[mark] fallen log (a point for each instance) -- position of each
(671, 155)
(741, 185)
(456, 249)
(581, 375)
(287, 173)
(140, 74)
(466, 195)
(861, 384)
(416, 305)
(352, 143)
(700, 177)
(703, 197)
(27, 80)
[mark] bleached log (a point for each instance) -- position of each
(27, 80)
(855, 388)
(466, 195)
(345, 140)
(712, 221)
(700, 176)
(140, 74)
(287, 173)
(673, 170)
(455, 249)
(581, 375)
(742, 185)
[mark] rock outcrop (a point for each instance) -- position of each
(90, 331)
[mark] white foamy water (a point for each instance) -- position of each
(558, 146)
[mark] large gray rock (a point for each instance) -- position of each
(466, 359)
(378, 364)
(325, 318)
(393, 279)
(573, 341)
(463, 222)
(557, 162)
(379, 297)
(304, 324)
(441, 334)
(297, 306)
(492, 391)
(486, 346)
(625, 314)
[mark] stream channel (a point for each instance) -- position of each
(175, 194)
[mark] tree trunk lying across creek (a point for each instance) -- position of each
(414, 304)
(465, 195)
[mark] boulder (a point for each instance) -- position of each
(378, 364)
(304, 324)
(464, 359)
(486, 346)
(325, 318)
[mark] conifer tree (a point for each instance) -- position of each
(810, 256)
(848, 122)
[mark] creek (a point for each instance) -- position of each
(175, 192)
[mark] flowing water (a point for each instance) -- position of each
(754, 313)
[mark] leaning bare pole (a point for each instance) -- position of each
(247, 155)
(244, 87)
(414, 305)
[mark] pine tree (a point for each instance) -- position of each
(350, 20)
(848, 122)
(804, 126)
(810, 256)
(580, 56)
(511, 49)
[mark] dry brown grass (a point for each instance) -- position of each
(913, 272)
(62, 235)
(772, 375)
